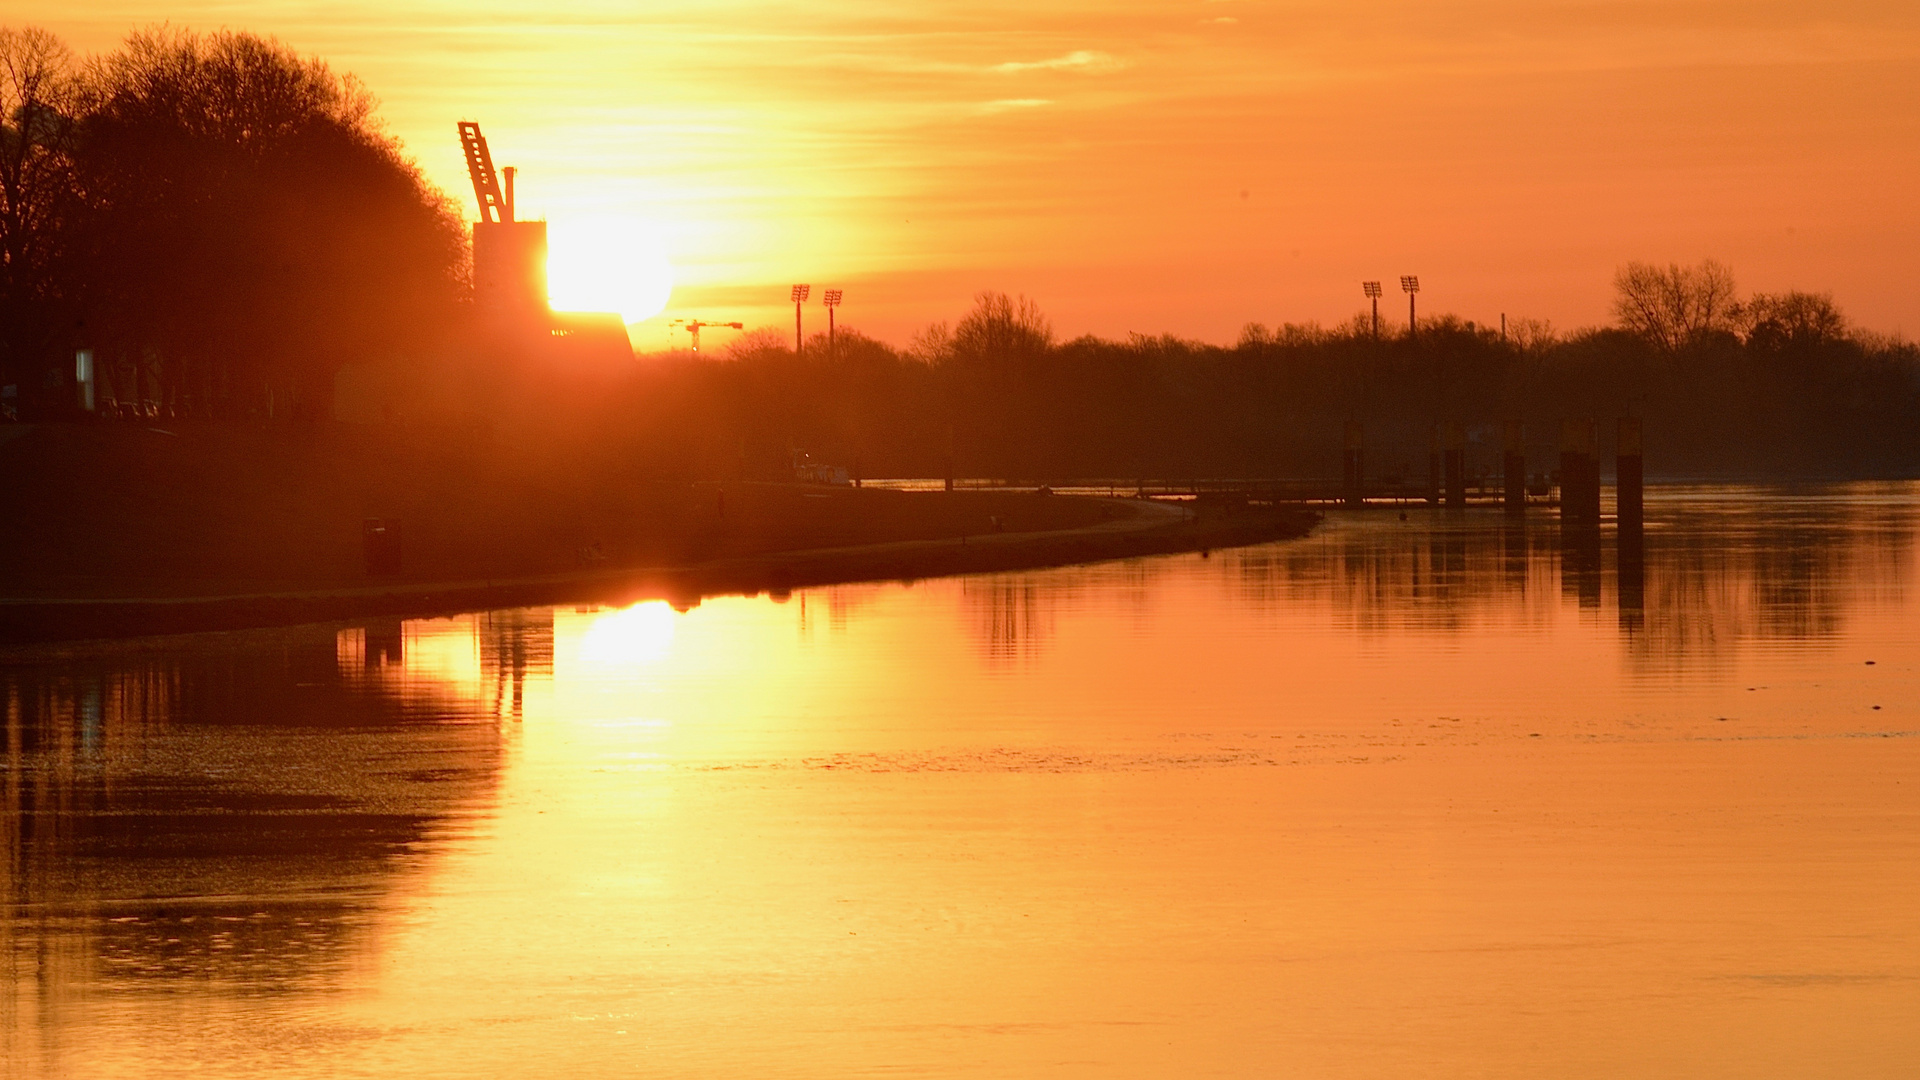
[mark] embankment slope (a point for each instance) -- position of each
(114, 529)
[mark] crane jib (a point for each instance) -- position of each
(486, 185)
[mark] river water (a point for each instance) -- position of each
(1441, 796)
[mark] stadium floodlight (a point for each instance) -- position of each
(799, 297)
(1372, 289)
(831, 300)
(1410, 284)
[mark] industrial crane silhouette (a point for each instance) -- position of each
(509, 256)
(495, 206)
(693, 327)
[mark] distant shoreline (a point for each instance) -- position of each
(1153, 529)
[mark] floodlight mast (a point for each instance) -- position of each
(1410, 284)
(832, 300)
(1372, 289)
(799, 297)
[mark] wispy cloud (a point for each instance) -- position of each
(1085, 61)
(1010, 104)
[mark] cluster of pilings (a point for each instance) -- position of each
(1580, 473)
(1579, 469)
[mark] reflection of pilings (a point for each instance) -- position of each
(1513, 548)
(1514, 467)
(1627, 471)
(1433, 466)
(1580, 512)
(1456, 464)
(1580, 560)
(1447, 560)
(1630, 511)
(1633, 577)
(1355, 464)
(1579, 472)
(384, 646)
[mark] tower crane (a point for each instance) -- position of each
(693, 327)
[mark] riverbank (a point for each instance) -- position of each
(119, 531)
(1145, 529)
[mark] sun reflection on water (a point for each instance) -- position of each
(641, 634)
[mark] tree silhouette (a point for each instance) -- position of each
(251, 228)
(40, 200)
(1672, 305)
(1778, 320)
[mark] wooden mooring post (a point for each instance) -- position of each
(1579, 472)
(1628, 472)
(949, 477)
(1456, 466)
(1513, 460)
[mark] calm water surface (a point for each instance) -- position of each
(1434, 797)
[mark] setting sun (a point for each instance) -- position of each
(607, 264)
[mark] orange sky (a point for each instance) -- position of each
(1182, 167)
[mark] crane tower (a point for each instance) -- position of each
(509, 256)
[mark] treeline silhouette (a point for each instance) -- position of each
(1777, 385)
(227, 226)
(220, 219)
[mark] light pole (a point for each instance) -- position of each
(831, 300)
(799, 297)
(1372, 289)
(1410, 284)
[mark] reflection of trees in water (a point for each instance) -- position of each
(1379, 574)
(236, 809)
(839, 602)
(1713, 570)
(1787, 571)
(1012, 615)
(1709, 575)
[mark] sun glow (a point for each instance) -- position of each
(607, 264)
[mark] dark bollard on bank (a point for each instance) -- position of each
(1456, 466)
(1433, 466)
(380, 538)
(1579, 472)
(1354, 465)
(1513, 490)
